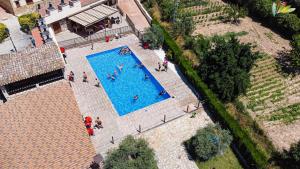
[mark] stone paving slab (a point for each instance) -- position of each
(93, 101)
(170, 152)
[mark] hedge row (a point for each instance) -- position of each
(287, 24)
(242, 138)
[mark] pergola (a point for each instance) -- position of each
(93, 15)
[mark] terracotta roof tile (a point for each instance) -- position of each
(44, 129)
(28, 63)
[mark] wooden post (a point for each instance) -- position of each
(140, 128)
(112, 140)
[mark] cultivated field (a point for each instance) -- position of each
(273, 98)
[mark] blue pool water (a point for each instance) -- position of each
(130, 81)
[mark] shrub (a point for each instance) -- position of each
(209, 142)
(154, 37)
(28, 21)
(3, 33)
(295, 52)
(234, 13)
(168, 9)
(183, 25)
(131, 154)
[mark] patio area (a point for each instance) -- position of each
(93, 101)
(71, 34)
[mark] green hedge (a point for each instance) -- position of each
(245, 143)
(3, 33)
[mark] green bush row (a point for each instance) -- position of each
(242, 138)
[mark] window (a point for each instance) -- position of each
(17, 4)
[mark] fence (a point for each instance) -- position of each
(136, 31)
(100, 36)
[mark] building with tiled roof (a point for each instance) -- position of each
(27, 68)
(28, 63)
(43, 129)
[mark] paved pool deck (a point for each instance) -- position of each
(93, 101)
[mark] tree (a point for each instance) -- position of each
(154, 37)
(288, 159)
(295, 52)
(209, 142)
(3, 32)
(168, 9)
(184, 24)
(234, 13)
(28, 21)
(131, 154)
(225, 67)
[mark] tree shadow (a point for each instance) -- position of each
(284, 61)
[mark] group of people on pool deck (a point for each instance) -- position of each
(161, 93)
(125, 51)
(115, 74)
(165, 65)
(84, 78)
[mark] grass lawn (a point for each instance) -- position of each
(225, 161)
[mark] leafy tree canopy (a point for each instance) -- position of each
(225, 67)
(209, 142)
(234, 13)
(131, 154)
(3, 33)
(154, 36)
(28, 21)
(184, 24)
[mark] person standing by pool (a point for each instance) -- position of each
(71, 76)
(159, 66)
(84, 77)
(165, 64)
(97, 82)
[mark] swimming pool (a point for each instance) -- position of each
(128, 82)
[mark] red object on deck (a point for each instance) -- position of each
(146, 45)
(88, 119)
(107, 39)
(90, 131)
(62, 50)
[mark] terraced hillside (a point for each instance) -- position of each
(274, 101)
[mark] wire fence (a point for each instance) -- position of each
(100, 36)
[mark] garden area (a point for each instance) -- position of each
(235, 61)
